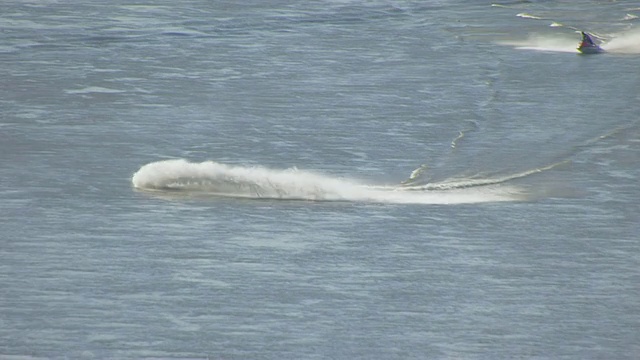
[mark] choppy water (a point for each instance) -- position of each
(331, 179)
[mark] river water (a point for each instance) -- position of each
(328, 179)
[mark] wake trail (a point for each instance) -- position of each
(623, 42)
(212, 178)
(480, 181)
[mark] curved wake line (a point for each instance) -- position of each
(468, 183)
(212, 178)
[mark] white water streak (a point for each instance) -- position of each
(627, 42)
(213, 178)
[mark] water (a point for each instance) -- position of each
(338, 179)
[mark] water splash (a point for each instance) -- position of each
(624, 43)
(212, 178)
(627, 42)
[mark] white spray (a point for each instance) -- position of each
(213, 178)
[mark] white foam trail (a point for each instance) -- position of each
(622, 43)
(258, 182)
(474, 182)
(94, 89)
(542, 43)
(528, 16)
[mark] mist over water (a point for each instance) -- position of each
(624, 42)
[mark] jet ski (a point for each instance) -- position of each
(588, 46)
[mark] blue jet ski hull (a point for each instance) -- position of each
(590, 50)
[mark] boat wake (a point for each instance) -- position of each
(210, 178)
(545, 43)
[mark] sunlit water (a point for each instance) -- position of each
(340, 179)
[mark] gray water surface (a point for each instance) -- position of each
(298, 239)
